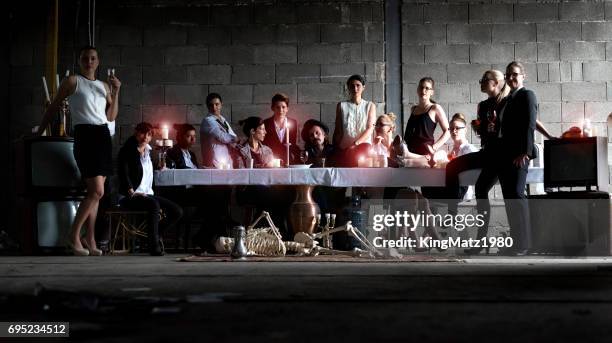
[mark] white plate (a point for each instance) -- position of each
(300, 166)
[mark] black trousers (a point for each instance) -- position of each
(513, 181)
(153, 204)
(454, 191)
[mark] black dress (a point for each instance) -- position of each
(420, 132)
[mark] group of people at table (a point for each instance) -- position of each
(505, 122)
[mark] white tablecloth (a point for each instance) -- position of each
(337, 177)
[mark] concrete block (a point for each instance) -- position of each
(572, 112)
(608, 10)
(360, 13)
(208, 35)
(554, 72)
(180, 16)
(538, 12)
(374, 91)
(234, 94)
(542, 72)
(409, 96)
(129, 115)
(231, 15)
(187, 55)
(26, 95)
(549, 112)
(493, 53)
(467, 109)
(275, 53)
(452, 93)
(466, 73)
(546, 91)
(319, 13)
(515, 32)
(232, 54)
(609, 90)
(566, 71)
(145, 56)
(262, 94)
(584, 91)
(597, 31)
(423, 34)
(127, 15)
(152, 95)
(169, 114)
(608, 51)
(259, 34)
(548, 51)
(476, 95)
(491, 13)
(341, 72)
(25, 117)
(328, 116)
(274, 14)
(527, 52)
(21, 55)
(447, 54)
(576, 71)
(195, 114)
(558, 32)
(251, 74)
(184, 95)
(375, 72)
(375, 32)
(298, 73)
(242, 111)
(120, 35)
(445, 13)
(413, 53)
(414, 72)
(597, 71)
(303, 112)
(209, 74)
(412, 13)
(370, 52)
(131, 76)
(131, 95)
(301, 34)
(329, 53)
(323, 92)
(166, 35)
(469, 33)
(585, 51)
(581, 11)
(597, 112)
(342, 33)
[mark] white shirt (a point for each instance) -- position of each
(88, 102)
(146, 184)
(354, 121)
(214, 141)
(280, 131)
(187, 158)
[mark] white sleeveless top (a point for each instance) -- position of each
(88, 102)
(354, 121)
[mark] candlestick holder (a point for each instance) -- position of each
(162, 146)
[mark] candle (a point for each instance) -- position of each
(168, 142)
(108, 72)
(159, 142)
(276, 163)
(67, 72)
(287, 138)
(57, 83)
(361, 162)
(46, 89)
(164, 132)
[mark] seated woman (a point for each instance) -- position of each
(354, 124)
(278, 126)
(274, 199)
(316, 143)
(136, 186)
(181, 154)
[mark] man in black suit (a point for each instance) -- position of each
(181, 153)
(276, 137)
(517, 123)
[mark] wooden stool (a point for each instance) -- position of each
(128, 225)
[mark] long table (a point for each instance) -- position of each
(335, 177)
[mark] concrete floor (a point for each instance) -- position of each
(156, 299)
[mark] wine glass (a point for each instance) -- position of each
(304, 156)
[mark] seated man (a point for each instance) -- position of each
(181, 153)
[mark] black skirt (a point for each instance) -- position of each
(93, 150)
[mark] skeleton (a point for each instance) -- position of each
(267, 241)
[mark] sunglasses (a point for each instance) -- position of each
(453, 128)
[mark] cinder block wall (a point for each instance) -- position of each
(169, 55)
(566, 47)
